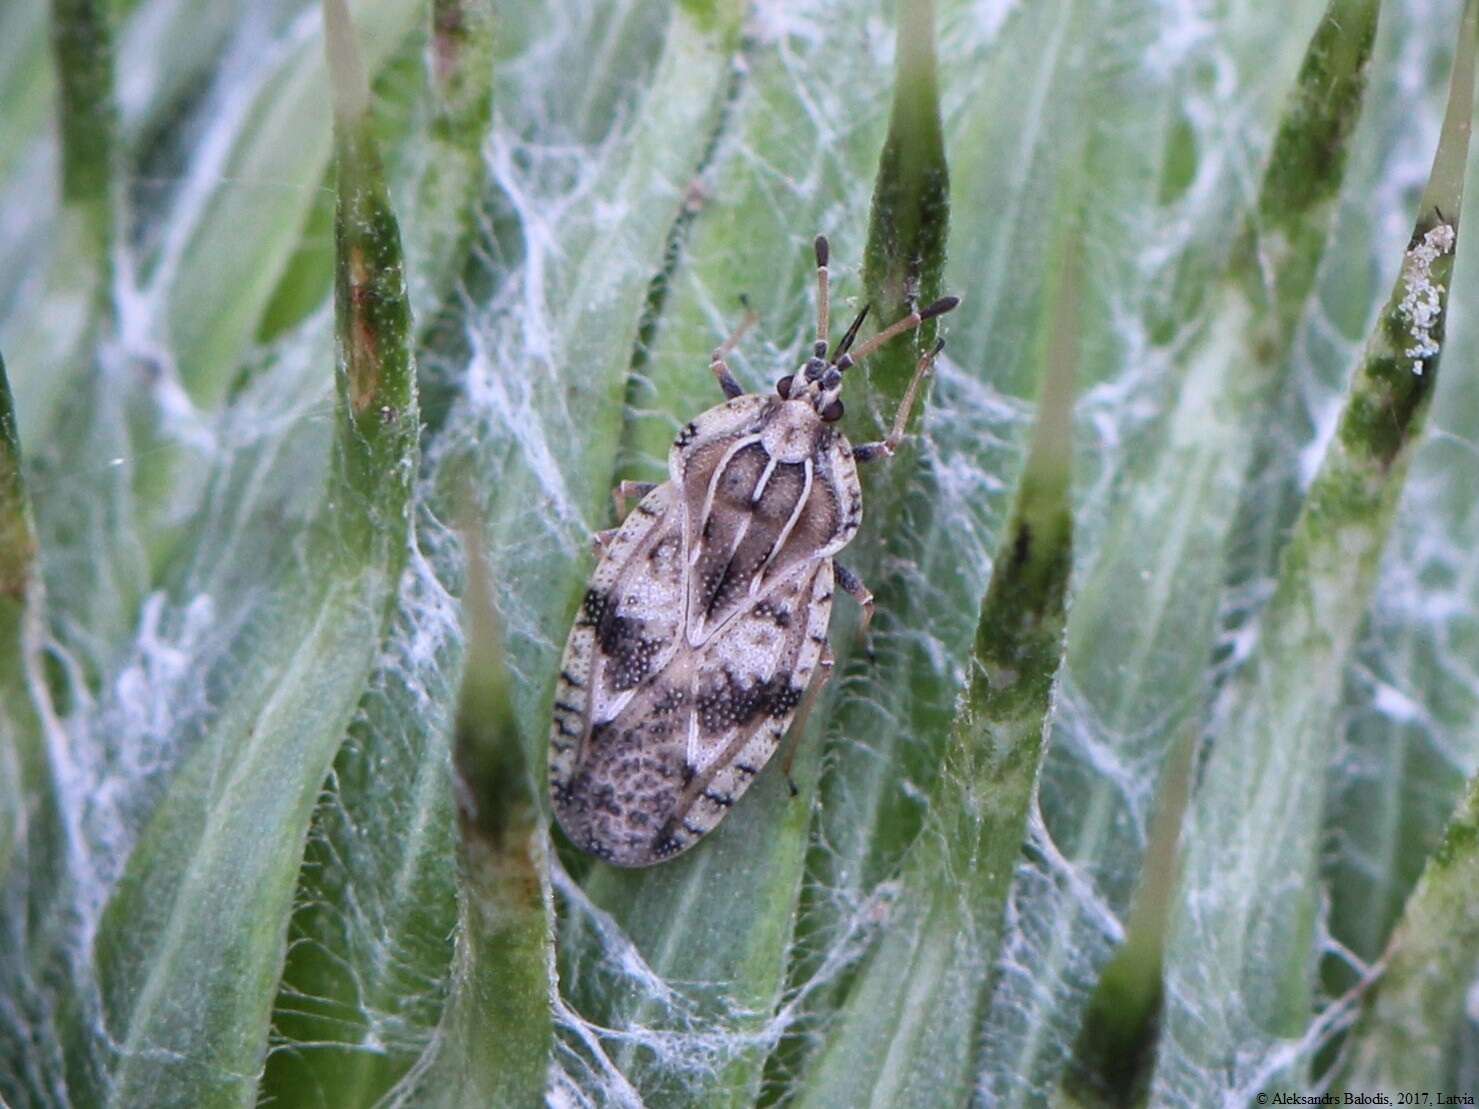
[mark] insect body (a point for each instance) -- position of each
(704, 628)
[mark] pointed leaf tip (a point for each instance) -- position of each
(347, 78)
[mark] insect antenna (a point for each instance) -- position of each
(908, 323)
(824, 297)
(849, 335)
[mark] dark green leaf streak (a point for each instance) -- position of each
(1233, 375)
(909, 1027)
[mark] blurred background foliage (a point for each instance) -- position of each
(327, 331)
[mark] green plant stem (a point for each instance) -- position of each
(500, 1012)
(82, 42)
(902, 267)
(56, 352)
(910, 220)
(375, 382)
(374, 899)
(460, 84)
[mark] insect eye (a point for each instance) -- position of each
(832, 413)
(832, 378)
(783, 386)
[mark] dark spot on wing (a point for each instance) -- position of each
(630, 654)
(724, 702)
(592, 608)
(767, 611)
(671, 699)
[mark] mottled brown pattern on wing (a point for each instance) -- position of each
(663, 771)
(629, 622)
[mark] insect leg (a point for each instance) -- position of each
(854, 587)
(637, 489)
(885, 448)
(719, 368)
(819, 679)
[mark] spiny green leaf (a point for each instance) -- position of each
(1143, 625)
(501, 1013)
(201, 639)
(372, 979)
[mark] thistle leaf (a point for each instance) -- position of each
(1256, 815)
(303, 497)
(908, 1029)
(1410, 1012)
(184, 990)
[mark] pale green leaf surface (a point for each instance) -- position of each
(279, 152)
(178, 1009)
(1125, 703)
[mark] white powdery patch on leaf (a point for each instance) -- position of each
(1422, 300)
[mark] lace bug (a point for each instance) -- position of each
(703, 634)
